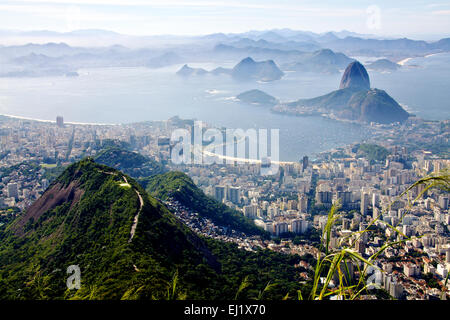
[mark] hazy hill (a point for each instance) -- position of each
(220, 70)
(383, 65)
(166, 59)
(391, 47)
(323, 61)
(443, 44)
(226, 51)
(186, 71)
(249, 69)
(288, 45)
(327, 56)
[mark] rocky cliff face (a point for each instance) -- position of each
(355, 76)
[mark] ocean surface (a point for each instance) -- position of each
(126, 95)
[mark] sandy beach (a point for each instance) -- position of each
(404, 61)
(54, 121)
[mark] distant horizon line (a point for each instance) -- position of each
(116, 33)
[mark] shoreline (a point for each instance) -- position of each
(323, 116)
(404, 61)
(54, 121)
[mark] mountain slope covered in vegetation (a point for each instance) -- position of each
(127, 245)
(180, 187)
(131, 163)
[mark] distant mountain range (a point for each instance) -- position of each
(378, 47)
(350, 43)
(47, 53)
(288, 45)
(105, 37)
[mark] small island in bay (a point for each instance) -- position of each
(257, 97)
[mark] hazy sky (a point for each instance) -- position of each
(411, 18)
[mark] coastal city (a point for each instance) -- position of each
(367, 181)
(225, 159)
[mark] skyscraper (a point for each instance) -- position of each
(443, 202)
(324, 197)
(364, 203)
(376, 213)
(13, 191)
(375, 200)
(280, 228)
(360, 247)
(305, 162)
(233, 194)
(345, 197)
(60, 121)
(302, 205)
(250, 211)
(219, 193)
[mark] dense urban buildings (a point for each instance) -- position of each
(291, 206)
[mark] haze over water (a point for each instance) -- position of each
(126, 95)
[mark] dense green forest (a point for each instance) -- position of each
(373, 152)
(85, 218)
(131, 163)
(180, 187)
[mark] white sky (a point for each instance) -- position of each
(412, 18)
